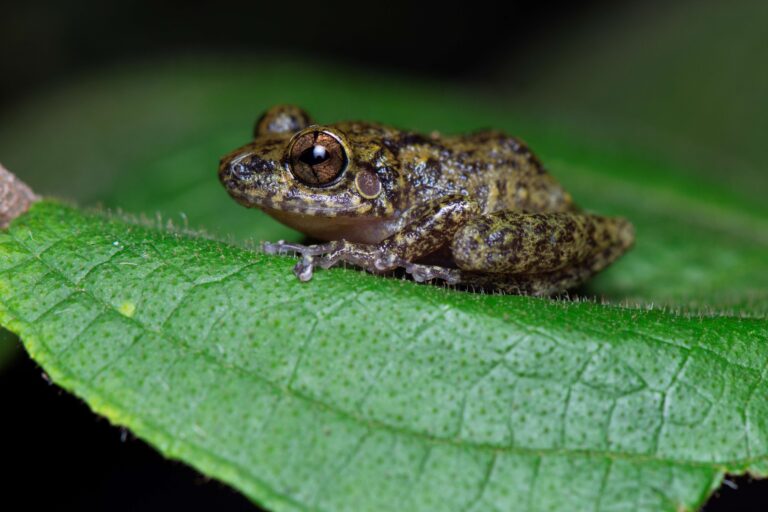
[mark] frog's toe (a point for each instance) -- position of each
(330, 260)
(304, 269)
(273, 248)
(283, 247)
(423, 273)
(384, 263)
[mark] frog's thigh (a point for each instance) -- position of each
(549, 283)
(524, 243)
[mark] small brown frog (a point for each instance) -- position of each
(475, 209)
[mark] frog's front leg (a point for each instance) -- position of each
(424, 230)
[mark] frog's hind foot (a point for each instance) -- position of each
(283, 247)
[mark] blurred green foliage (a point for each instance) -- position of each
(681, 83)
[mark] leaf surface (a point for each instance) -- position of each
(355, 392)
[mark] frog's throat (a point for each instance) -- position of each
(362, 229)
(308, 209)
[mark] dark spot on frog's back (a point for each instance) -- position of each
(486, 135)
(406, 139)
(410, 138)
(433, 166)
(502, 187)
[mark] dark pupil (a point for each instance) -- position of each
(317, 154)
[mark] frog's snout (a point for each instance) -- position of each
(246, 168)
(248, 178)
(225, 172)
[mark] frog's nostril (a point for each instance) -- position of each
(238, 170)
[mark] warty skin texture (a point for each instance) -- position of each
(477, 209)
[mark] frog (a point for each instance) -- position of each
(476, 210)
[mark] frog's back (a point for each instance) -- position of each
(498, 170)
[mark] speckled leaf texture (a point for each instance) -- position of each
(361, 393)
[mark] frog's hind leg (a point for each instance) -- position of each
(545, 283)
(538, 254)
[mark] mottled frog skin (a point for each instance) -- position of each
(475, 209)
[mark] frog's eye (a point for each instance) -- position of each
(317, 157)
(282, 119)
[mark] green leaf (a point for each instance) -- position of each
(355, 392)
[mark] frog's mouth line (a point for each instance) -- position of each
(273, 208)
(338, 206)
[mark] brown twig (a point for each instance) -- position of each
(15, 197)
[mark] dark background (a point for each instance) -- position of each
(59, 454)
(43, 43)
